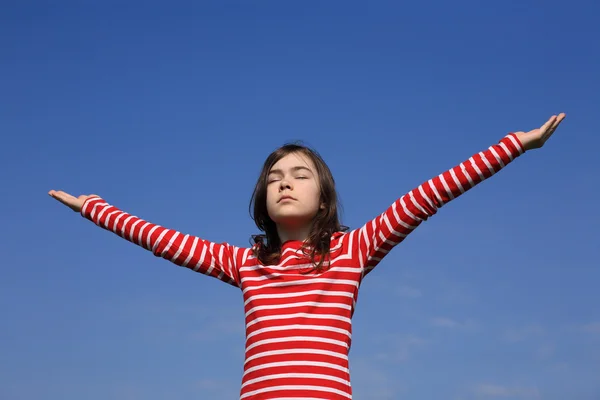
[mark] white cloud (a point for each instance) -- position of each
(559, 367)
(408, 291)
(398, 348)
(520, 334)
(546, 350)
(487, 390)
(382, 285)
(217, 389)
(456, 293)
(593, 327)
(445, 322)
(128, 391)
(371, 381)
(218, 328)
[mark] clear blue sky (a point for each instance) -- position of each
(168, 112)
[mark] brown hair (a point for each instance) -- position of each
(267, 246)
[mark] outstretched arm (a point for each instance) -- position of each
(376, 238)
(218, 260)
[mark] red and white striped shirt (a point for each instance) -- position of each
(298, 322)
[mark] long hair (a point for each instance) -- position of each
(267, 246)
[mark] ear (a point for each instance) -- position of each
(322, 206)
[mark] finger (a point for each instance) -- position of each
(544, 128)
(63, 197)
(546, 135)
(559, 119)
(54, 193)
(64, 193)
(60, 198)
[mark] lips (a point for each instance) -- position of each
(285, 198)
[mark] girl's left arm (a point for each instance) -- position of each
(376, 238)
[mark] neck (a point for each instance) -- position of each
(299, 233)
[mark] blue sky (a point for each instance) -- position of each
(168, 111)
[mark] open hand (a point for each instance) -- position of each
(536, 138)
(74, 203)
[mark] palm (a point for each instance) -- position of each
(536, 138)
(74, 203)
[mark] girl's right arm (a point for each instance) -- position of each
(219, 260)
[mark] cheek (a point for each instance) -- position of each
(315, 195)
(271, 196)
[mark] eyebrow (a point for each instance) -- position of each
(294, 169)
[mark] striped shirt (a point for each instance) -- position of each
(299, 321)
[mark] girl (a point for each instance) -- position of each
(300, 279)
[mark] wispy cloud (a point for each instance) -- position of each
(408, 291)
(523, 333)
(487, 390)
(444, 322)
(593, 327)
(218, 328)
(217, 389)
(128, 391)
(398, 348)
(451, 323)
(546, 350)
(559, 367)
(456, 293)
(386, 286)
(371, 381)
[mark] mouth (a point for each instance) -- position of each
(283, 198)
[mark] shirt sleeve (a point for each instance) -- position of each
(375, 239)
(219, 260)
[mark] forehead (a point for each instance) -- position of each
(293, 160)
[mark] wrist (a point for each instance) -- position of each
(522, 141)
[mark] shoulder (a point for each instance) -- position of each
(340, 245)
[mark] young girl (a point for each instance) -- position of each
(300, 279)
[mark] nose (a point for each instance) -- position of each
(285, 184)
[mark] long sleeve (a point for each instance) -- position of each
(218, 260)
(374, 240)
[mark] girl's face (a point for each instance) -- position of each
(293, 192)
